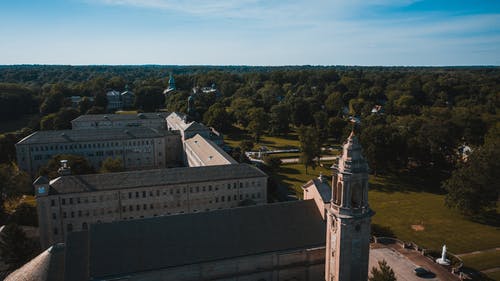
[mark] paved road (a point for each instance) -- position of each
(296, 160)
(402, 266)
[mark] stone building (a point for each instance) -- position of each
(319, 191)
(155, 120)
(349, 217)
(179, 122)
(72, 203)
(283, 241)
(199, 151)
(114, 100)
(137, 147)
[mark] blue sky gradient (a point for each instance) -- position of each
(250, 32)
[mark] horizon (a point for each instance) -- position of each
(251, 32)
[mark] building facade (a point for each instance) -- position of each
(155, 120)
(72, 203)
(349, 217)
(137, 147)
(179, 122)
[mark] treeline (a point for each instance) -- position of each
(410, 118)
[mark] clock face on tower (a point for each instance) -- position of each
(41, 190)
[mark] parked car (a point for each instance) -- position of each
(421, 271)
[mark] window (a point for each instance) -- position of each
(70, 201)
(145, 206)
(63, 201)
(84, 226)
(143, 194)
(124, 209)
(52, 202)
(55, 231)
(158, 193)
(228, 198)
(69, 227)
(79, 213)
(130, 208)
(129, 195)
(228, 186)
(137, 194)
(54, 216)
(64, 215)
(138, 207)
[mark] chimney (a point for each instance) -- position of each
(65, 169)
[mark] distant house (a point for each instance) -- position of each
(114, 100)
(117, 100)
(128, 98)
(75, 100)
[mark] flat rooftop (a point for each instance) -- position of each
(157, 177)
(92, 135)
(207, 152)
(120, 117)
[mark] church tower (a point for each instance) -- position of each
(349, 217)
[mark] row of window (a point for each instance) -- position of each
(151, 206)
(89, 145)
(192, 189)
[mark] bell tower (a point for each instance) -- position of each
(349, 217)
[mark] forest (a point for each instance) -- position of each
(421, 119)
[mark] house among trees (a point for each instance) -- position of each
(118, 101)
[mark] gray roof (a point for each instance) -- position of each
(323, 188)
(120, 248)
(157, 177)
(92, 135)
(121, 117)
(48, 266)
(208, 152)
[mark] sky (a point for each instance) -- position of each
(250, 32)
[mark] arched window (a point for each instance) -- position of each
(338, 199)
(356, 196)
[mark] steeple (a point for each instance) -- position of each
(349, 216)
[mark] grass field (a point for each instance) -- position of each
(494, 275)
(411, 215)
(482, 261)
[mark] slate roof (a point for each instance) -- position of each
(120, 248)
(92, 135)
(323, 189)
(48, 266)
(157, 177)
(120, 117)
(177, 119)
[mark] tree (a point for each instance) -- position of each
(216, 116)
(101, 100)
(54, 101)
(279, 120)
(239, 109)
(96, 110)
(112, 165)
(15, 247)
(383, 273)
(258, 122)
(60, 120)
(84, 105)
(246, 145)
(473, 187)
(24, 214)
(336, 126)
(272, 162)
(310, 146)
(149, 98)
(79, 165)
(13, 182)
(334, 103)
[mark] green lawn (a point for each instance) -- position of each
(494, 275)
(284, 142)
(482, 261)
(409, 206)
(411, 215)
